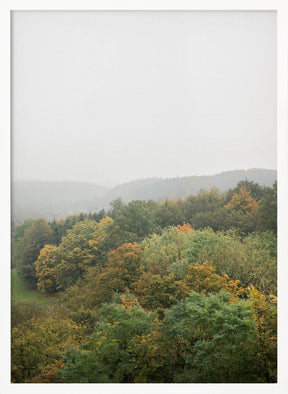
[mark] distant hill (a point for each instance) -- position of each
(60, 199)
(54, 199)
(53, 192)
(157, 188)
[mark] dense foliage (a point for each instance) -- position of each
(179, 291)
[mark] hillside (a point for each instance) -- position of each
(54, 199)
(59, 199)
(157, 188)
(42, 193)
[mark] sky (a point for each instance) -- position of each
(109, 97)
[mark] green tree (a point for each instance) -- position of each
(267, 213)
(17, 242)
(203, 202)
(61, 226)
(35, 238)
(116, 206)
(123, 348)
(212, 340)
(251, 259)
(161, 251)
(222, 219)
(135, 218)
(169, 213)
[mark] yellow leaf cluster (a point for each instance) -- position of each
(243, 201)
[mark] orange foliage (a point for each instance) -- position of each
(129, 301)
(186, 228)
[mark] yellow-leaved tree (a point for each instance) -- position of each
(45, 269)
(58, 267)
(243, 201)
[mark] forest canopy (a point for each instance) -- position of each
(177, 291)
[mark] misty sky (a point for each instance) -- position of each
(108, 97)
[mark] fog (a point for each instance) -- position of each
(108, 97)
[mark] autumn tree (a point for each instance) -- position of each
(126, 262)
(158, 293)
(45, 269)
(78, 250)
(123, 267)
(254, 188)
(243, 201)
(23, 310)
(88, 293)
(40, 342)
(265, 314)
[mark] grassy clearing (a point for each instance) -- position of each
(19, 292)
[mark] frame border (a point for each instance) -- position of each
(6, 8)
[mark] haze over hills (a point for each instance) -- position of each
(42, 193)
(157, 188)
(54, 199)
(59, 199)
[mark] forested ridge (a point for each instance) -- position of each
(177, 291)
(60, 199)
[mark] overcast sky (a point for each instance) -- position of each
(108, 97)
